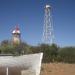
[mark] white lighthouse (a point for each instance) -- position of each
(16, 36)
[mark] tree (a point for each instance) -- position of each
(22, 48)
(67, 54)
(50, 52)
(5, 43)
(7, 48)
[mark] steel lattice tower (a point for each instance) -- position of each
(48, 35)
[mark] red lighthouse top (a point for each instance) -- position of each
(16, 30)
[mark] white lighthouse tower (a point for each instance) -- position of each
(16, 35)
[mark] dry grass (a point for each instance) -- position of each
(58, 69)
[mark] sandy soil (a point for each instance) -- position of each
(58, 69)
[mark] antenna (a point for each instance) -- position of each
(48, 35)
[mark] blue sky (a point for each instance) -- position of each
(29, 14)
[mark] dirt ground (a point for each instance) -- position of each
(58, 69)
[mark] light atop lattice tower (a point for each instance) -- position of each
(48, 35)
